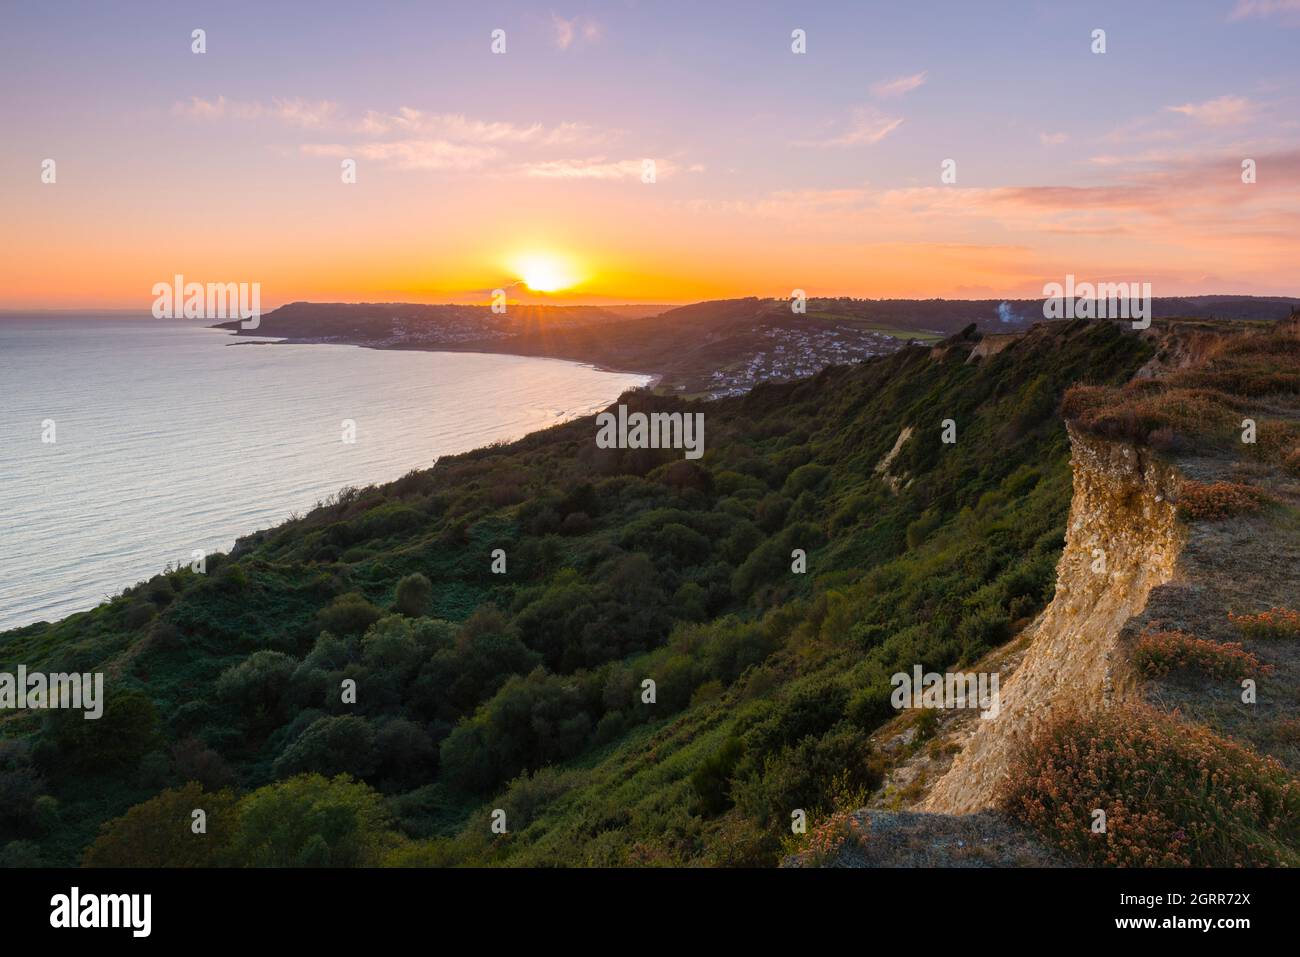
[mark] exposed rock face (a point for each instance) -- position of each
(992, 344)
(1121, 515)
(882, 467)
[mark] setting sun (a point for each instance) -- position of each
(545, 272)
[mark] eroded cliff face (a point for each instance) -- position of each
(1122, 540)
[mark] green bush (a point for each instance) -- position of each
(413, 595)
(712, 779)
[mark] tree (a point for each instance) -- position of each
(342, 744)
(127, 730)
(256, 686)
(348, 614)
(391, 647)
(414, 593)
(308, 820)
(20, 783)
(405, 753)
(160, 832)
(193, 760)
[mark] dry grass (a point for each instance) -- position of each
(1202, 406)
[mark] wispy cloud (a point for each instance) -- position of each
(1221, 111)
(411, 139)
(307, 114)
(1262, 9)
(868, 125)
(457, 126)
(578, 30)
(1199, 208)
(899, 85)
(411, 154)
(599, 168)
(1052, 139)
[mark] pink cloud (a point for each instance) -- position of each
(1221, 111)
(868, 125)
(899, 85)
(1263, 9)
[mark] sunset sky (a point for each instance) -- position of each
(774, 170)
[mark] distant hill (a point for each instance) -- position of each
(708, 348)
(714, 348)
(950, 315)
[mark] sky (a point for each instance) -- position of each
(772, 170)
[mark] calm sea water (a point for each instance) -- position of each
(169, 438)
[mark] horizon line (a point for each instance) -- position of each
(132, 310)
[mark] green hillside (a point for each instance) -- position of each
(523, 691)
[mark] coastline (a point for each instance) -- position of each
(655, 378)
(222, 532)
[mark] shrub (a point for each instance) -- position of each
(1292, 461)
(391, 648)
(163, 636)
(528, 796)
(1218, 500)
(342, 744)
(1160, 652)
(348, 614)
(576, 523)
(310, 820)
(1274, 623)
(193, 760)
(529, 722)
(1174, 794)
(712, 779)
(257, 685)
(128, 730)
(805, 478)
(21, 854)
(829, 838)
(809, 774)
(158, 832)
(404, 753)
(20, 783)
(231, 577)
(139, 614)
(413, 595)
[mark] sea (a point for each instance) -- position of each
(129, 443)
